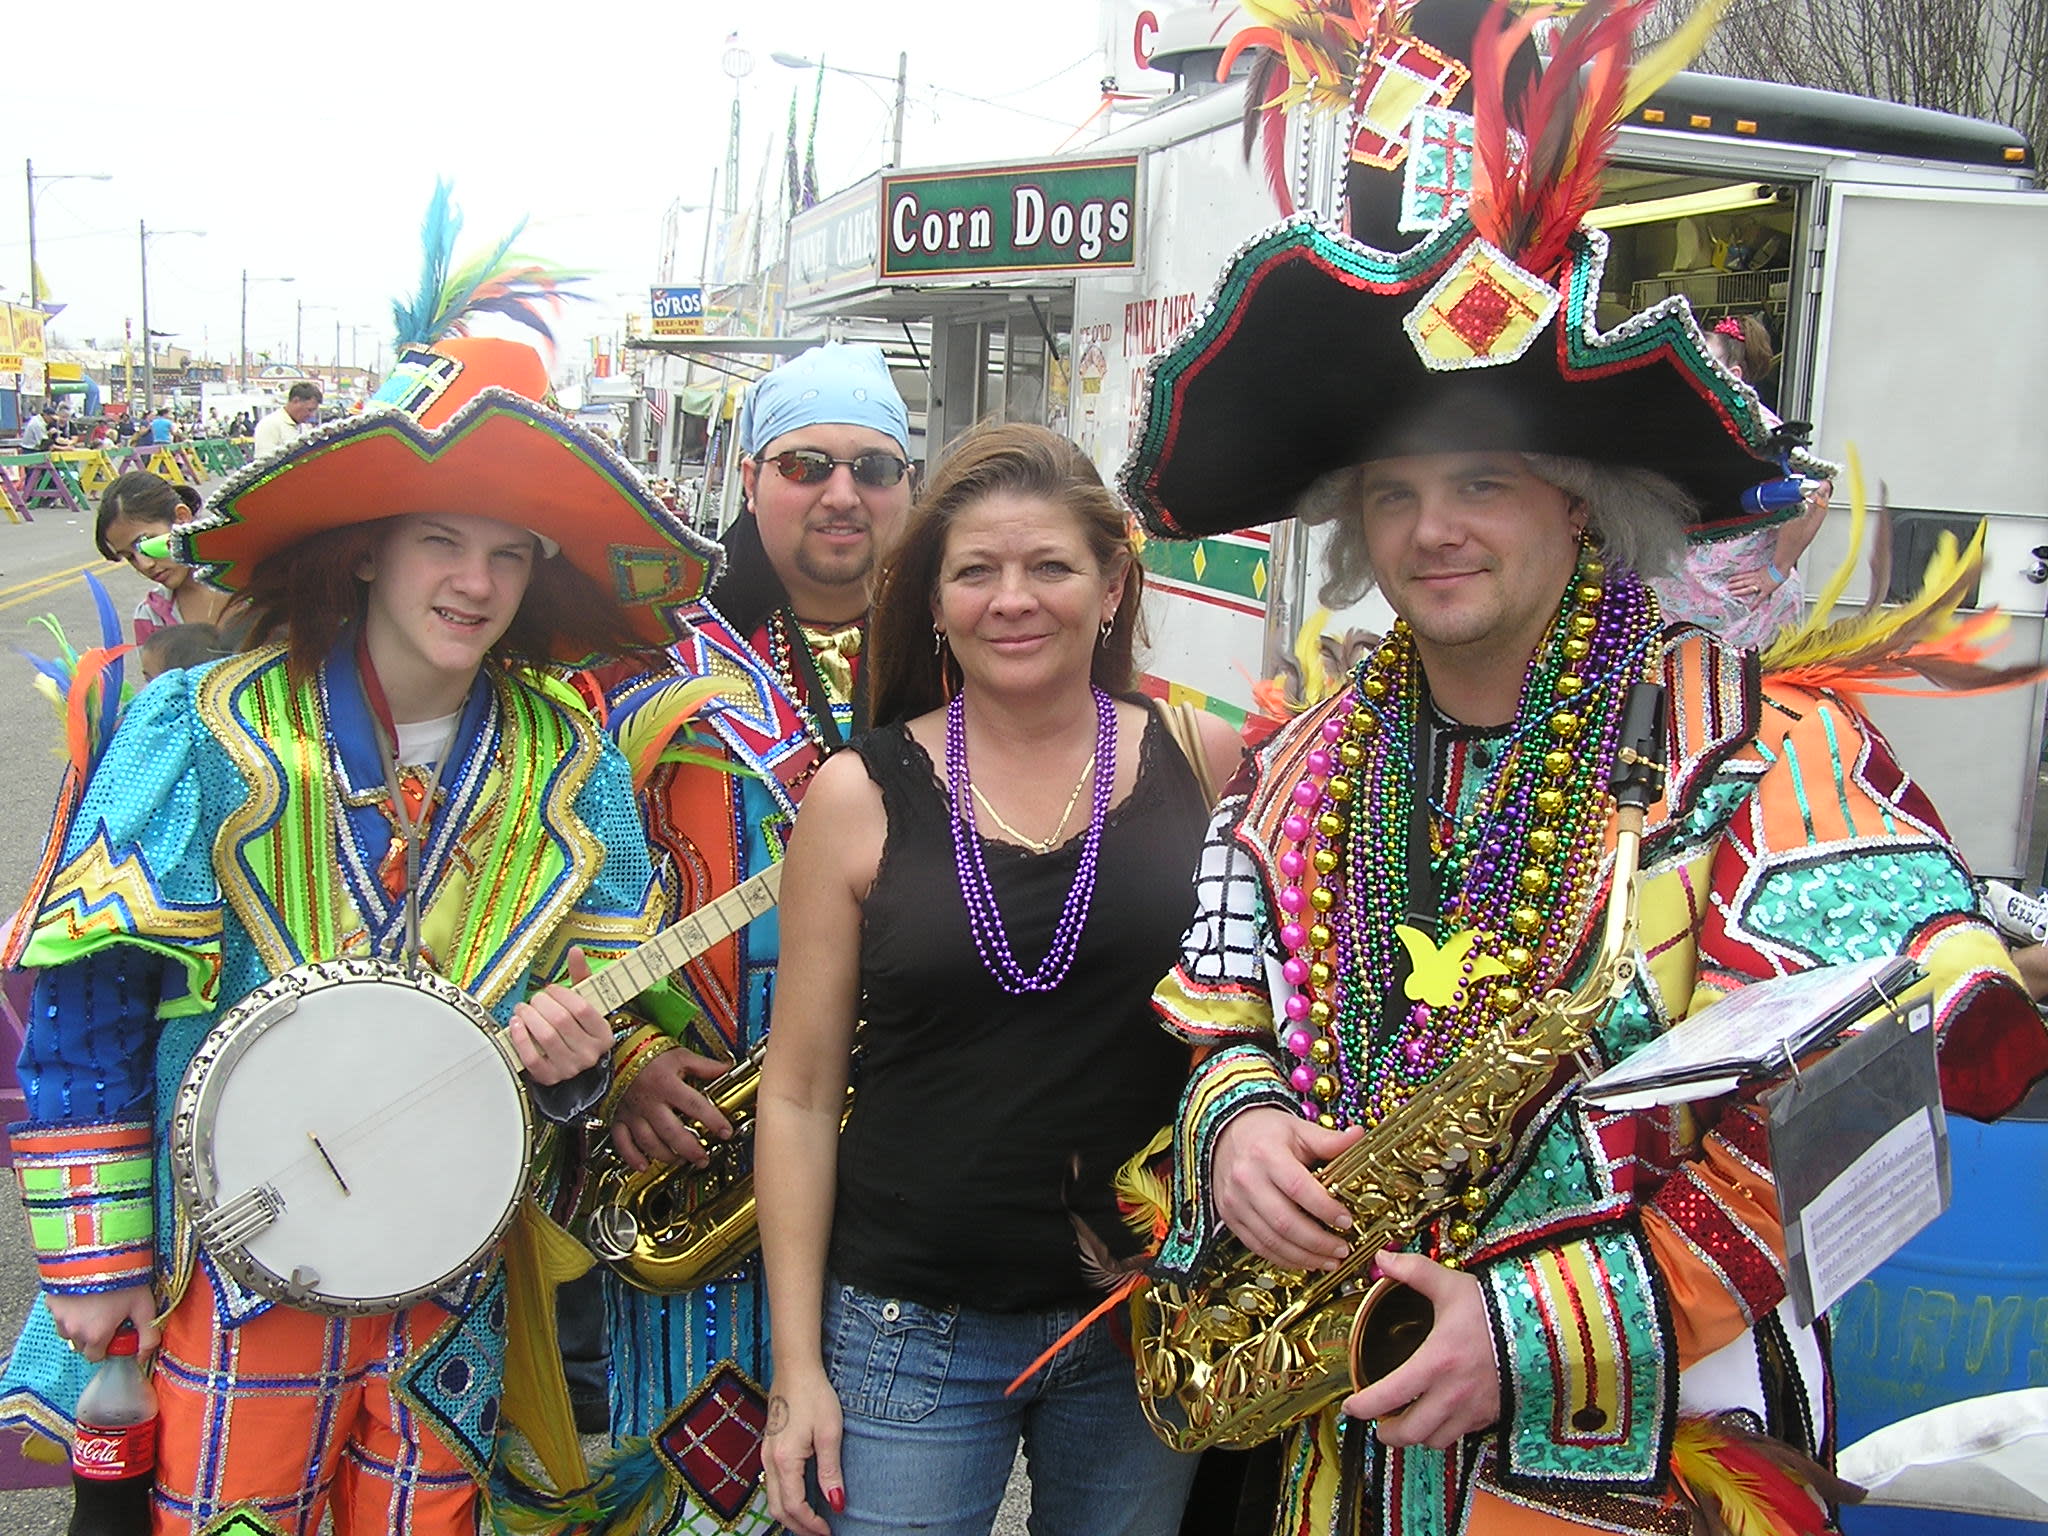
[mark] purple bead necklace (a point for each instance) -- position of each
(984, 920)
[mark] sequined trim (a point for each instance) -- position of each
(1589, 1364)
(1741, 1257)
(97, 898)
(1230, 1082)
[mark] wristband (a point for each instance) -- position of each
(1776, 575)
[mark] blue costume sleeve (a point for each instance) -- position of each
(128, 931)
(83, 1159)
(90, 1054)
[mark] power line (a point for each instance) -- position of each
(1048, 80)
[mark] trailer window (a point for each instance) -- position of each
(1724, 244)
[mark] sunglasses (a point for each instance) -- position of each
(814, 466)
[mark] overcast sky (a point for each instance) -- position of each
(304, 139)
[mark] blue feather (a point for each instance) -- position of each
(438, 232)
(55, 671)
(110, 679)
(110, 621)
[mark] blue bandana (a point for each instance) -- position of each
(837, 383)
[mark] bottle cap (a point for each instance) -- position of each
(124, 1341)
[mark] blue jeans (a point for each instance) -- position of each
(930, 1438)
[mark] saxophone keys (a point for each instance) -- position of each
(1254, 1301)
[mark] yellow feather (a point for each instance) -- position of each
(1929, 615)
(1143, 1196)
(1859, 518)
(1650, 72)
(1308, 653)
(643, 734)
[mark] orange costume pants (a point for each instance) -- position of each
(292, 1413)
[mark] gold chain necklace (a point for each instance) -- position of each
(1034, 844)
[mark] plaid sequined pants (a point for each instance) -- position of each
(292, 1412)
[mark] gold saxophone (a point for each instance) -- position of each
(1245, 1349)
(671, 1227)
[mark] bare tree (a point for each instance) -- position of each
(1980, 58)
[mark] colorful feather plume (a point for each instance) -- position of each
(1142, 1195)
(88, 688)
(518, 288)
(1529, 205)
(1736, 1482)
(1898, 647)
(1313, 52)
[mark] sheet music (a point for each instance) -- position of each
(1749, 1032)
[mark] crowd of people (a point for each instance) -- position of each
(1066, 990)
(48, 428)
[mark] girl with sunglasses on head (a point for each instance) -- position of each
(138, 506)
(993, 879)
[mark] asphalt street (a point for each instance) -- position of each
(42, 572)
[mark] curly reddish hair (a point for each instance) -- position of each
(308, 594)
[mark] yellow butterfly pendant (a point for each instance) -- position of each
(1435, 971)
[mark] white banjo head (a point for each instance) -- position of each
(352, 1137)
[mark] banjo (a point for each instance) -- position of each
(353, 1136)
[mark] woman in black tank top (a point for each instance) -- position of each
(993, 881)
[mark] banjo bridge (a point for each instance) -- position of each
(233, 1222)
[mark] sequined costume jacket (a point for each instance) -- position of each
(1631, 1263)
(687, 1365)
(231, 831)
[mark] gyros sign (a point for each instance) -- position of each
(1066, 216)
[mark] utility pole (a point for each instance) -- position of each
(35, 278)
(738, 64)
(148, 341)
(148, 347)
(902, 89)
(35, 282)
(710, 218)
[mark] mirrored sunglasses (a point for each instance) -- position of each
(812, 466)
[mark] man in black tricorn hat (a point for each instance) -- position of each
(1426, 852)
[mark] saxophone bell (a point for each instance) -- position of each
(1392, 1321)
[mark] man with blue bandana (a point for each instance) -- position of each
(827, 482)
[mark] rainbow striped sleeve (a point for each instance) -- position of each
(87, 1190)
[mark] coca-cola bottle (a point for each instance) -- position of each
(113, 1456)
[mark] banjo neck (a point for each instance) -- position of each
(677, 945)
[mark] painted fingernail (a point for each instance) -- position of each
(836, 1497)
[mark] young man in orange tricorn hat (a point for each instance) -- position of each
(389, 773)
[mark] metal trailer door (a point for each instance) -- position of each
(1930, 359)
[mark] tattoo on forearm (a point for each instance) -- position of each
(778, 1414)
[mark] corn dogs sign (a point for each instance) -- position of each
(1062, 216)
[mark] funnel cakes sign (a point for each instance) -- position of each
(1060, 216)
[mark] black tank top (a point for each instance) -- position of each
(975, 1109)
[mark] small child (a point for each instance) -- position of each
(180, 645)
